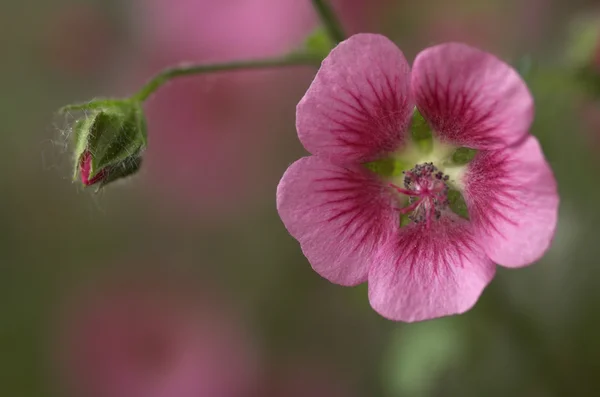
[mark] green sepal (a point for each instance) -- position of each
(421, 132)
(457, 204)
(387, 167)
(463, 155)
(114, 134)
(125, 168)
(404, 220)
(81, 133)
(95, 104)
(318, 43)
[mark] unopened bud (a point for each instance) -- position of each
(109, 142)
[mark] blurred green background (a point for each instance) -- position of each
(533, 333)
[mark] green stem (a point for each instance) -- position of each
(330, 21)
(187, 70)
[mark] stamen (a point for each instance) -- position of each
(404, 191)
(411, 207)
(427, 193)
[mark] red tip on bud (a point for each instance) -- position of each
(85, 164)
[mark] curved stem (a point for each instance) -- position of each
(330, 21)
(191, 69)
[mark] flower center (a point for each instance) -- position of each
(427, 191)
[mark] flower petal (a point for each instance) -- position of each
(425, 274)
(340, 216)
(513, 202)
(470, 97)
(358, 107)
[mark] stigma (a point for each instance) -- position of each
(427, 191)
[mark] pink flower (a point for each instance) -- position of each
(402, 231)
(151, 339)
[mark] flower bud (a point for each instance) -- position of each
(109, 142)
